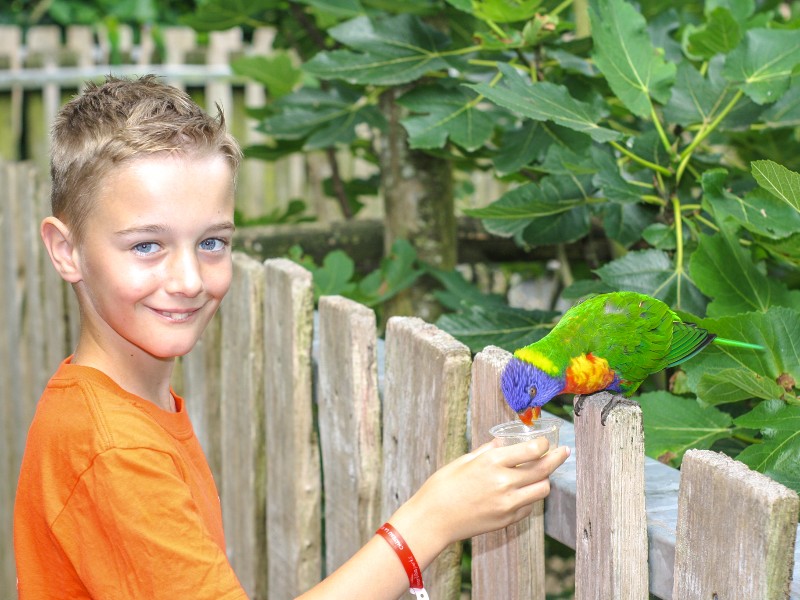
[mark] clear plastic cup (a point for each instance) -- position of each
(514, 432)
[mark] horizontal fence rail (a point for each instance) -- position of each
(316, 430)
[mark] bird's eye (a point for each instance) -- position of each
(532, 391)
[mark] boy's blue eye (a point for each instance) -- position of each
(213, 245)
(145, 248)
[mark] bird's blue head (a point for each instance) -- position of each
(527, 388)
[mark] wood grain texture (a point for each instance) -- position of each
(242, 425)
(349, 426)
(294, 487)
(736, 531)
(424, 423)
(508, 563)
(611, 536)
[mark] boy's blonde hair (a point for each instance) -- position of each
(121, 120)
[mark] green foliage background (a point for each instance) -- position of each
(671, 130)
(668, 128)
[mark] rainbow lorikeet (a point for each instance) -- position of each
(607, 342)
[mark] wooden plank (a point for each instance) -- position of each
(11, 104)
(242, 425)
(736, 531)
(294, 485)
(424, 423)
(349, 426)
(518, 550)
(611, 543)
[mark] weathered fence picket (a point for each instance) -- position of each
(611, 528)
(741, 522)
(249, 388)
(515, 551)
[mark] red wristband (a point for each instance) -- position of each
(398, 544)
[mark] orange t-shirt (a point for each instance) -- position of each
(115, 499)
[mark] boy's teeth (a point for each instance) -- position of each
(176, 316)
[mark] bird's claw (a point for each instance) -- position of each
(612, 404)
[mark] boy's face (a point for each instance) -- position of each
(155, 259)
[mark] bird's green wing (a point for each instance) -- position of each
(687, 340)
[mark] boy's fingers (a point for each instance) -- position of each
(518, 454)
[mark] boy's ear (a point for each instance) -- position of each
(63, 253)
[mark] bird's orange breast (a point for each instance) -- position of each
(587, 373)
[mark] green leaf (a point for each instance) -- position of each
(625, 221)
(505, 11)
(660, 236)
(625, 54)
(459, 294)
(275, 72)
(720, 34)
(673, 425)
(778, 180)
(777, 455)
(609, 179)
(696, 99)
(389, 51)
(334, 276)
(397, 272)
(544, 101)
(532, 204)
(721, 374)
(786, 250)
(338, 8)
(322, 118)
(763, 63)
(758, 211)
(508, 328)
(723, 270)
(218, 15)
(786, 111)
(520, 147)
(652, 272)
(449, 113)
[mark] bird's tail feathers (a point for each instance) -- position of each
(737, 344)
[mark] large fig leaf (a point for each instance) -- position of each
(390, 51)
(673, 424)
(777, 454)
(624, 53)
(445, 113)
(544, 101)
(778, 180)
(763, 63)
(723, 270)
(723, 374)
(654, 273)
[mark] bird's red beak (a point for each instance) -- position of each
(530, 414)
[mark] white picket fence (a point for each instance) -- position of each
(315, 425)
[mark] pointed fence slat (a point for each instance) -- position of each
(611, 543)
(349, 425)
(293, 470)
(424, 423)
(242, 424)
(736, 531)
(516, 551)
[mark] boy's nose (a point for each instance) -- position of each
(184, 276)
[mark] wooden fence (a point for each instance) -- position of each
(317, 430)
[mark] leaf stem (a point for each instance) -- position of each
(686, 154)
(676, 209)
(660, 129)
(560, 7)
(653, 199)
(638, 159)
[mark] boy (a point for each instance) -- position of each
(115, 498)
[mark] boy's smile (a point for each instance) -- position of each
(155, 258)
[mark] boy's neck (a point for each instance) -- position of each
(137, 372)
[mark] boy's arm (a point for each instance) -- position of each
(133, 530)
(482, 491)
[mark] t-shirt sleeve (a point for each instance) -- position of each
(132, 530)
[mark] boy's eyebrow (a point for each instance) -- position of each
(160, 229)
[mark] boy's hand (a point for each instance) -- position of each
(484, 490)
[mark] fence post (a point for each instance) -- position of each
(242, 424)
(424, 423)
(518, 550)
(294, 529)
(611, 537)
(736, 531)
(349, 426)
